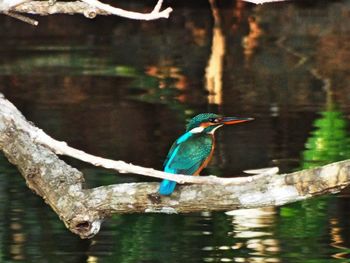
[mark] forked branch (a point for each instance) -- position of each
(89, 8)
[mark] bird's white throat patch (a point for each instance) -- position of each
(197, 130)
(213, 130)
(200, 129)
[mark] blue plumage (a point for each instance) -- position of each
(167, 187)
(186, 157)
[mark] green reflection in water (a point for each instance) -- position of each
(74, 63)
(329, 142)
(309, 219)
(82, 61)
(152, 238)
(29, 229)
(153, 94)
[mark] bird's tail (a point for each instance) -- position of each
(166, 187)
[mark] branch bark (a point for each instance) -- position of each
(82, 210)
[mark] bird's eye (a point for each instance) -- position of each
(213, 120)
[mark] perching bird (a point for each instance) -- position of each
(192, 151)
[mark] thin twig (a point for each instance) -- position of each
(155, 14)
(61, 148)
(22, 18)
(157, 7)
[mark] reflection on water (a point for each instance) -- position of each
(253, 230)
(251, 41)
(337, 240)
(124, 90)
(329, 142)
(214, 69)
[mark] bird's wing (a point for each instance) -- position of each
(187, 156)
(170, 153)
(174, 147)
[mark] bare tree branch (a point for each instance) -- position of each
(83, 210)
(89, 8)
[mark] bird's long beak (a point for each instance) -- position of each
(234, 120)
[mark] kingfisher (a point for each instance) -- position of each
(193, 150)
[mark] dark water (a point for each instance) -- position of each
(124, 90)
